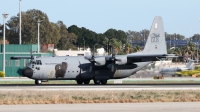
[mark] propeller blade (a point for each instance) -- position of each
(113, 51)
(112, 67)
(93, 53)
(91, 68)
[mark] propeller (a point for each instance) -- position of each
(113, 59)
(92, 60)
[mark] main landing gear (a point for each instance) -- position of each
(97, 82)
(79, 81)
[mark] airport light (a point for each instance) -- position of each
(94, 47)
(39, 21)
(170, 42)
(187, 51)
(144, 37)
(20, 21)
(84, 44)
(4, 28)
(107, 46)
(175, 41)
(197, 52)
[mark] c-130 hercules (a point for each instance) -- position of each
(99, 68)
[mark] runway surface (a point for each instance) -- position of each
(106, 107)
(100, 87)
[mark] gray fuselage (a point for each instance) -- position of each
(72, 68)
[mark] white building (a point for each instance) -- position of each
(79, 52)
(72, 52)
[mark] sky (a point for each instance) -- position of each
(179, 16)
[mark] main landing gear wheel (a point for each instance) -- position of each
(97, 82)
(38, 82)
(79, 81)
(103, 82)
(86, 81)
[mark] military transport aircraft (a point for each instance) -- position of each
(98, 68)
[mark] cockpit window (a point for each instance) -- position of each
(38, 62)
(33, 62)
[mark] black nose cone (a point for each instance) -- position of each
(28, 72)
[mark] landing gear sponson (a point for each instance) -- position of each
(97, 82)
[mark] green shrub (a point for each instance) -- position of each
(2, 74)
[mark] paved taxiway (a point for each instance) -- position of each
(100, 87)
(106, 107)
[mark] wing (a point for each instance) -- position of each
(23, 57)
(149, 57)
(20, 57)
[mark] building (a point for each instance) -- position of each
(170, 43)
(78, 52)
(13, 68)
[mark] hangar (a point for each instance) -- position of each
(13, 68)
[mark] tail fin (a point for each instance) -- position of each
(156, 40)
(190, 64)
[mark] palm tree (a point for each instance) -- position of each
(136, 48)
(128, 48)
(116, 45)
(177, 51)
(191, 49)
(184, 52)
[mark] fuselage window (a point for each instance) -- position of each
(33, 62)
(37, 62)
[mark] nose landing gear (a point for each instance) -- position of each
(37, 82)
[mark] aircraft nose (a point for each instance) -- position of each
(28, 72)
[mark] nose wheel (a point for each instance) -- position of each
(37, 82)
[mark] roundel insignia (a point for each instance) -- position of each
(156, 25)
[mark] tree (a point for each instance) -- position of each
(191, 49)
(117, 34)
(196, 37)
(67, 40)
(48, 31)
(116, 45)
(174, 36)
(89, 37)
(129, 48)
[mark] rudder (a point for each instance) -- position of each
(156, 43)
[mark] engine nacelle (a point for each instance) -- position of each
(121, 67)
(100, 61)
(121, 60)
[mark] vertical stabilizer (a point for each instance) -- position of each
(156, 43)
(190, 64)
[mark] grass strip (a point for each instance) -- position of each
(69, 97)
(157, 81)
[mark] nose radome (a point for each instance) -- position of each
(28, 72)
